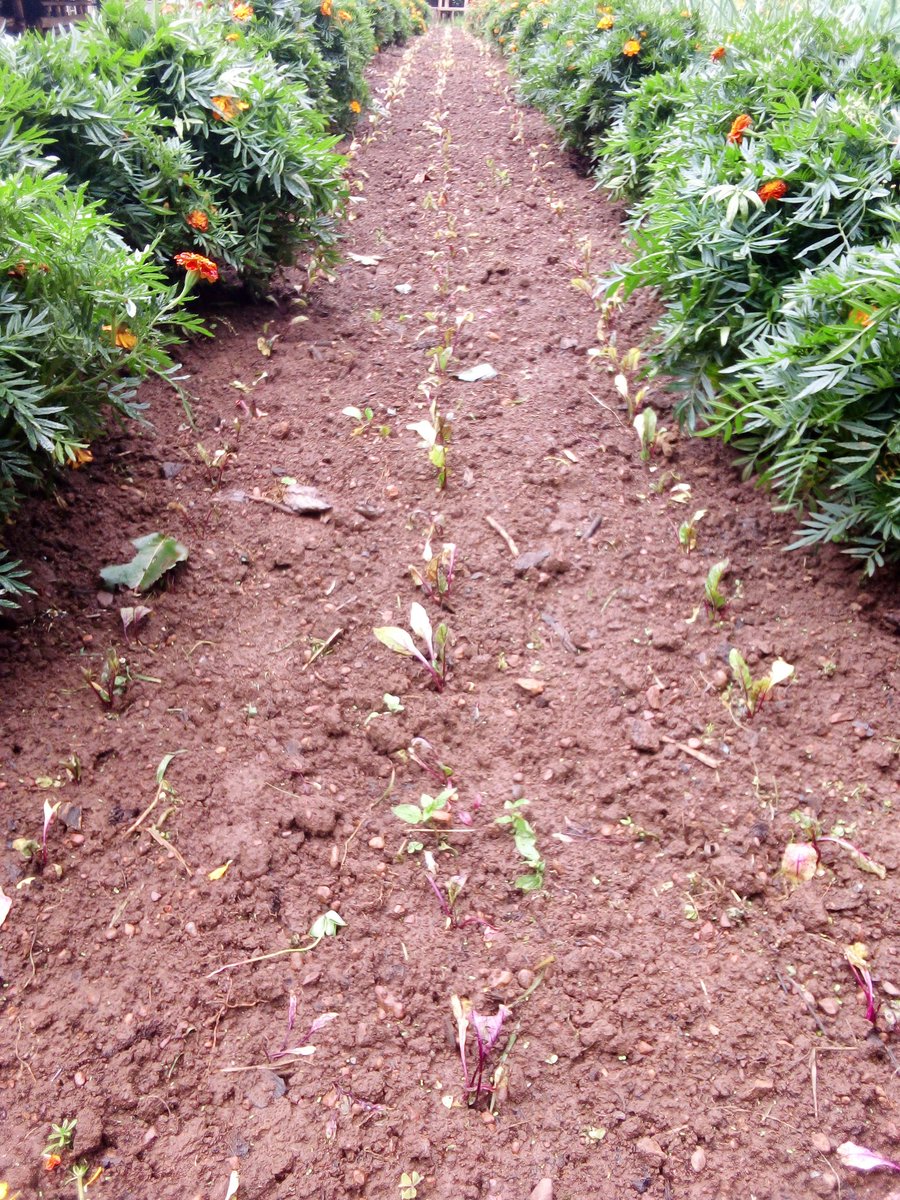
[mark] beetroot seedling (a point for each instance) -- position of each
(715, 598)
(862, 1159)
(435, 435)
(687, 531)
(801, 859)
(401, 642)
(857, 957)
(324, 926)
(752, 692)
(424, 755)
(486, 1032)
(437, 577)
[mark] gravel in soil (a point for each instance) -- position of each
(685, 1022)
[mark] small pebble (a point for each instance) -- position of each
(323, 892)
(821, 1142)
(77, 839)
(377, 843)
(156, 897)
(525, 978)
(543, 1191)
(698, 1159)
(190, 929)
(79, 1079)
(129, 930)
(830, 1006)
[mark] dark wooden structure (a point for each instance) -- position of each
(17, 15)
(446, 10)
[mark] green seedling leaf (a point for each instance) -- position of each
(396, 639)
(716, 600)
(156, 554)
(425, 430)
(327, 925)
(392, 703)
(410, 813)
(645, 427)
(421, 626)
(477, 374)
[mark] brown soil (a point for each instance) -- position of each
(694, 1030)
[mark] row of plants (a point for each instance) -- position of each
(144, 152)
(760, 163)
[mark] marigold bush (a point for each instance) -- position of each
(762, 164)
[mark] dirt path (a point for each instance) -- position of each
(684, 1025)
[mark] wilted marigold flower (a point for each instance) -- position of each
(605, 23)
(227, 107)
(51, 1162)
(81, 456)
(355, 106)
(718, 54)
(204, 267)
(20, 270)
(738, 127)
(775, 189)
(197, 219)
(631, 48)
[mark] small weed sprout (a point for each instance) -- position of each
(752, 692)
(409, 1183)
(715, 599)
(401, 642)
(652, 437)
(687, 531)
(526, 844)
(857, 957)
(61, 1137)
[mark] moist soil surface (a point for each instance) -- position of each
(682, 1022)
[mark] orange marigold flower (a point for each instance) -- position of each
(775, 189)
(81, 456)
(232, 37)
(605, 23)
(124, 338)
(20, 270)
(197, 219)
(241, 11)
(327, 8)
(858, 317)
(227, 107)
(631, 48)
(343, 15)
(355, 106)
(51, 1162)
(738, 127)
(197, 264)
(718, 54)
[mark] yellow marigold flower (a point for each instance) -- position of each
(631, 48)
(227, 107)
(569, 43)
(198, 265)
(197, 219)
(685, 13)
(605, 23)
(241, 11)
(775, 189)
(355, 106)
(738, 127)
(232, 37)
